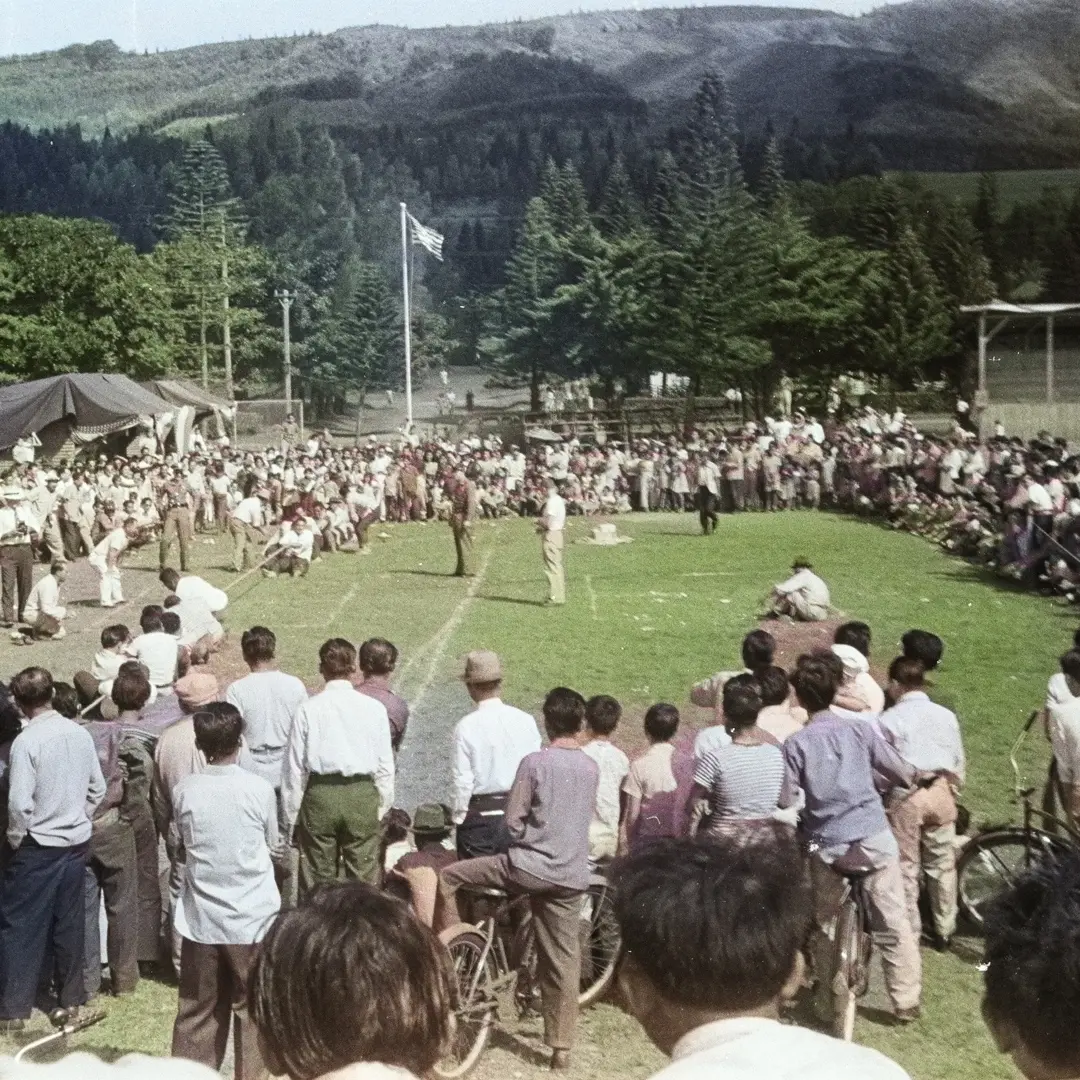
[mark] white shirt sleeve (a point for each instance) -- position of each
(294, 774)
(463, 777)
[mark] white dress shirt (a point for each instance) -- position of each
(339, 732)
(554, 516)
(196, 621)
(809, 585)
(926, 735)
(194, 588)
(10, 519)
(227, 823)
(267, 701)
(489, 744)
(754, 1048)
(249, 512)
(158, 652)
(44, 599)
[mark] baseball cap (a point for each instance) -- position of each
(482, 667)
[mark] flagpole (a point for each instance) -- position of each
(408, 316)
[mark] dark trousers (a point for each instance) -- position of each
(337, 831)
(16, 576)
(147, 882)
(462, 545)
(213, 994)
(706, 502)
(734, 490)
(42, 914)
(111, 872)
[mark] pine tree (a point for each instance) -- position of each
(620, 210)
(1063, 281)
(771, 186)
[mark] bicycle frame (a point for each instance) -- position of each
(1031, 813)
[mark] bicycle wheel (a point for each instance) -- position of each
(600, 945)
(847, 974)
(992, 862)
(474, 1010)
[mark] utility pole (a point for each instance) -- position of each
(286, 298)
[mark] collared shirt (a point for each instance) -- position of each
(44, 599)
(339, 732)
(157, 651)
(613, 765)
(397, 708)
(707, 477)
(809, 585)
(548, 814)
(249, 512)
(194, 588)
(227, 823)
(756, 1048)
(196, 621)
(56, 783)
(267, 701)
(925, 735)
(834, 760)
(10, 519)
(553, 517)
(489, 745)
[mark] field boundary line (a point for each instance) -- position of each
(592, 597)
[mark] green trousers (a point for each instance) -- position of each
(337, 831)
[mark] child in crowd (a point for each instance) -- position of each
(156, 648)
(602, 715)
(113, 652)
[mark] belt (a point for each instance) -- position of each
(338, 778)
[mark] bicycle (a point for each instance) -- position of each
(994, 859)
(495, 958)
(853, 947)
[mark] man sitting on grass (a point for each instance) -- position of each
(803, 597)
(712, 932)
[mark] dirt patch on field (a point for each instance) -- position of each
(795, 638)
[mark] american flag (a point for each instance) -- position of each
(427, 238)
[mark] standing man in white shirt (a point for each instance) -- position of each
(708, 490)
(105, 559)
(927, 737)
(227, 823)
(803, 597)
(552, 527)
(245, 525)
(268, 700)
(488, 746)
(338, 779)
(44, 614)
(19, 532)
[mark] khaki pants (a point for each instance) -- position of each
(925, 828)
(889, 921)
(556, 920)
(553, 566)
(799, 608)
(337, 831)
(243, 535)
(177, 526)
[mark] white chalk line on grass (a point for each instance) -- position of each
(592, 597)
(438, 643)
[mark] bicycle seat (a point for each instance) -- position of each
(485, 890)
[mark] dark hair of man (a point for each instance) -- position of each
(169, 578)
(32, 688)
(855, 634)
(1076, 638)
(602, 714)
(130, 689)
(661, 722)
(65, 700)
(218, 731)
(171, 601)
(378, 656)
(774, 685)
(742, 701)
(114, 635)
(170, 622)
(337, 658)
(396, 825)
(1032, 962)
(259, 645)
(350, 976)
(816, 680)
(150, 619)
(924, 646)
(564, 712)
(758, 649)
(907, 672)
(716, 924)
(1070, 664)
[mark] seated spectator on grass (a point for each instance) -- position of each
(657, 787)
(351, 985)
(712, 932)
(803, 597)
(602, 715)
(1031, 970)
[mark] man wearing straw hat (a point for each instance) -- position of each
(803, 597)
(19, 531)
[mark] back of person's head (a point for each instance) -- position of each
(396, 825)
(907, 673)
(351, 976)
(564, 712)
(32, 688)
(337, 659)
(758, 649)
(1031, 968)
(378, 657)
(114, 636)
(855, 634)
(171, 601)
(131, 688)
(712, 925)
(816, 679)
(169, 578)
(661, 722)
(774, 685)
(742, 701)
(150, 619)
(65, 700)
(170, 622)
(1070, 664)
(218, 728)
(602, 714)
(923, 646)
(258, 645)
(1076, 639)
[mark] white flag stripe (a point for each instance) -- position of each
(427, 238)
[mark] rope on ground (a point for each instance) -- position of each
(1061, 547)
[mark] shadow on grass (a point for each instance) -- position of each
(519, 1047)
(428, 573)
(513, 600)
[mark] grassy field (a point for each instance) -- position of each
(1015, 186)
(643, 621)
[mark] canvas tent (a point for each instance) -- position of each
(81, 406)
(180, 392)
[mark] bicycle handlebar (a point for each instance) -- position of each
(1020, 739)
(70, 1028)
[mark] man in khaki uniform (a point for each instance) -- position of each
(463, 503)
(552, 526)
(177, 523)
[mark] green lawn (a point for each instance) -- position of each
(1016, 186)
(643, 621)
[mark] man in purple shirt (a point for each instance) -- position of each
(839, 763)
(548, 813)
(378, 658)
